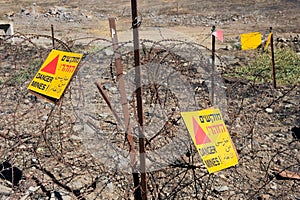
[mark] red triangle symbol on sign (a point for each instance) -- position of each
(200, 136)
(51, 66)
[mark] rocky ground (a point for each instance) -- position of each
(76, 149)
(73, 19)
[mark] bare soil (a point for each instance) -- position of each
(192, 18)
(45, 141)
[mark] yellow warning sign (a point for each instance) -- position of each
(251, 40)
(268, 41)
(211, 138)
(55, 74)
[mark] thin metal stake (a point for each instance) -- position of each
(52, 33)
(213, 51)
(121, 85)
(106, 99)
(273, 60)
(140, 113)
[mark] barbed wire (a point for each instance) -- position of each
(43, 140)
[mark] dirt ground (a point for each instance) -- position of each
(75, 19)
(45, 141)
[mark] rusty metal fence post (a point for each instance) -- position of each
(138, 84)
(127, 126)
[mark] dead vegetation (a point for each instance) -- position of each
(60, 157)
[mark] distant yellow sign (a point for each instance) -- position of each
(55, 74)
(250, 40)
(211, 138)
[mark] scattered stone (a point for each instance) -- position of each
(5, 190)
(57, 195)
(264, 146)
(22, 146)
(222, 176)
(265, 197)
(242, 128)
(273, 186)
(269, 110)
(103, 115)
(77, 128)
(44, 118)
(108, 52)
(109, 87)
(288, 106)
(32, 189)
(75, 137)
(221, 188)
(26, 101)
(185, 64)
(88, 76)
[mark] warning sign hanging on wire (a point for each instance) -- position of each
(211, 138)
(250, 40)
(55, 74)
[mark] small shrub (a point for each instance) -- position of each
(287, 68)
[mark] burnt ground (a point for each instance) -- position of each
(52, 146)
(72, 19)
